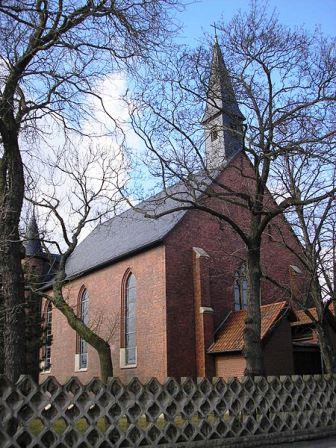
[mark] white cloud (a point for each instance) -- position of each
(103, 136)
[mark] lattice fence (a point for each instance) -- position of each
(185, 413)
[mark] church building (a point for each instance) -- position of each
(170, 294)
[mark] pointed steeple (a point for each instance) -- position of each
(33, 244)
(222, 118)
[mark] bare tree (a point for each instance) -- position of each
(275, 93)
(52, 54)
(76, 191)
(304, 177)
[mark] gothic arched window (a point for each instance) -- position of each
(241, 289)
(48, 338)
(129, 321)
(84, 316)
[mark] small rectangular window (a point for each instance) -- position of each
(214, 134)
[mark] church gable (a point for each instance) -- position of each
(132, 231)
(137, 229)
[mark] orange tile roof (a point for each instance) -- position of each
(302, 318)
(231, 336)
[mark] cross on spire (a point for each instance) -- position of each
(215, 28)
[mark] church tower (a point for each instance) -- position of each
(33, 244)
(222, 119)
(34, 265)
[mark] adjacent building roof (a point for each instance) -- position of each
(231, 336)
(302, 318)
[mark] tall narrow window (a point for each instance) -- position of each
(84, 315)
(241, 289)
(48, 338)
(130, 333)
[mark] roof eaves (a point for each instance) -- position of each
(106, 263)
(283, 311)
(216, 352)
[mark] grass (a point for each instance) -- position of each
(81, 425)
(59, 426)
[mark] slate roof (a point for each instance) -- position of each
(220, 92)
(132, 231)
(231, 337)
(32, 244)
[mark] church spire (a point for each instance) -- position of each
(33, 244)
(222, 118)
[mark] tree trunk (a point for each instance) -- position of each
(327, 352)
(326, 346)
(334, 269)
(105, 360)
(33, 334)
(252, 333)
(11, 198)
(2, 321)
(100, 345)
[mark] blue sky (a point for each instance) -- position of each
(199, 15)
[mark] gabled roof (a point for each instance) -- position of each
(231, 336)
(121, 235)
(131, 231)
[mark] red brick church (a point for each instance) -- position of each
(173, 291)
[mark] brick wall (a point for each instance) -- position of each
(33, 270)
(104, 288)
(278, 350)
(165, 290)
(278, 355)
(226, 252)
(204, 329)
(230, 365)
